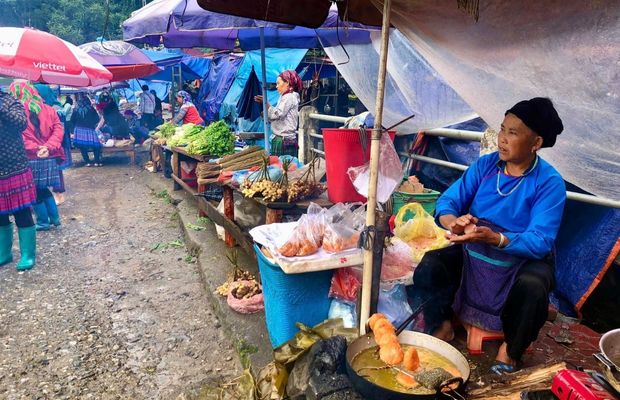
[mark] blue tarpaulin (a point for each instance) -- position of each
(216, 85)
(277, 61)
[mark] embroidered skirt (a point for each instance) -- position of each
(46, 172)
(284, 146)
(17, 192)
(85, 137)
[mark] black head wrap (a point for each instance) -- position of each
(541, 117)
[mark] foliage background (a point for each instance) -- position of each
(77, 21)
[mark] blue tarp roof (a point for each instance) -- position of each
(277, 61)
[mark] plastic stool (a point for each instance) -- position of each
(477, 336)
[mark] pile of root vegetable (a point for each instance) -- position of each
(306, 187)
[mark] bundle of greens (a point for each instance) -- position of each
(166, 130)
(220, 140)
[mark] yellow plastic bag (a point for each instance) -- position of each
(420, 232)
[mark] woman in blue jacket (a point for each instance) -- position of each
(503, 216)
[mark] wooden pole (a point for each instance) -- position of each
(374, 167)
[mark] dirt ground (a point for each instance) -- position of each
(114, 308)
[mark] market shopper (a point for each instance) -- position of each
(17, 189)
(188, 113)
(147, 108)
(111, 124)
(85, 119)
(64, 113)
(284, 117)
(503, 215)
(43, 142)
(158, 112)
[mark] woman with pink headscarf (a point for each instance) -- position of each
(284, 117)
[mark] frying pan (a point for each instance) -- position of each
(610, 356)
(373, 391)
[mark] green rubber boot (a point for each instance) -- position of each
(6, 244)
(28, 248)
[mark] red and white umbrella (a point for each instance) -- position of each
(40, 56)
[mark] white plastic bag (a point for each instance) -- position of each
(390, 172)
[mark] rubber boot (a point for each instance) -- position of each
(43, 219)
(28, 248)
(52, 211)
(6, 244)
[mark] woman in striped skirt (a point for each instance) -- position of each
(17, 190)
(43, 141)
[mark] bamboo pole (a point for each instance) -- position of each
(374, 166)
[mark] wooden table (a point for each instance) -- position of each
(274, 212)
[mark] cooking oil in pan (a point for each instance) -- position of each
(368, 365)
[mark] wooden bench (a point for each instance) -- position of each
(129, 150)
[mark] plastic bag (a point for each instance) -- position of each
(390, 172)
(420, 232)
(393, 303)
(342, 227)
(307, 237)
(248, 305)
(397, 263)
(344, 310)
(345, 284)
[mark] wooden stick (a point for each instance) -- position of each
(374, 166)
(510, 386)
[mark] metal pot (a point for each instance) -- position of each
(448, 389)
(610, 357)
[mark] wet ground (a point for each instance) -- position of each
(115, 307)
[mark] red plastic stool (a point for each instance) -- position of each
(477, 336)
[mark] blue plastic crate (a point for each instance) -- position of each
(291, 298)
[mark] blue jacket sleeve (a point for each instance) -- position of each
(537, 240)
(457, 199)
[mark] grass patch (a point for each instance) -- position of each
(165, 196)
(245, 350)
(204, 220)
(196, 228)
(177, 244)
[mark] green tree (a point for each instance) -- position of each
(77, 21)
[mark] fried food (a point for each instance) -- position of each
(307, 247)
(406, 381)
(373, 319)
(290, 248)
(386, 338)
(391, 354)
(383, 324)
(411, 361)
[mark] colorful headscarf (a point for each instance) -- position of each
(187, 98)
(27, 95)
(293, 80)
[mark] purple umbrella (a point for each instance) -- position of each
(124, 60)
(183, 23)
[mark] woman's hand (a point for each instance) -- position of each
(463, 224)
(478, 234)
(258, 99)
(43, 152)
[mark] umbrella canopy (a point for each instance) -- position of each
(246, 106)
(124, 60)
(183, 23)
(61, 62)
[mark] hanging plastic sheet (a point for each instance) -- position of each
(565, 50)
(412, 86)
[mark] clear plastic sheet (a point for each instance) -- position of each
(565, 50)
(412, 86)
